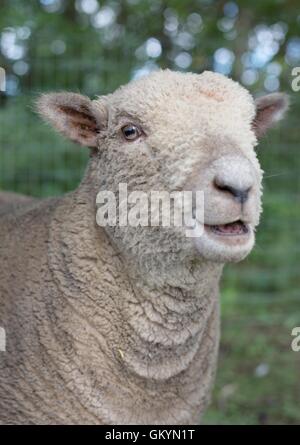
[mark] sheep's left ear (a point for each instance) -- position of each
(73, 115)
(269, 110)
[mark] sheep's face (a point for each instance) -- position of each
(179, 132)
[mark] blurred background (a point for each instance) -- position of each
(93, 46)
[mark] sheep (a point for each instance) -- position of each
(120, 324)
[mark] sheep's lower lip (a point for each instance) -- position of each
(235, 228)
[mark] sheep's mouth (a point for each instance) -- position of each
(235, 228)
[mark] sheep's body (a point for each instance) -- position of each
(121, 325)
(10, 202)
(72, 356)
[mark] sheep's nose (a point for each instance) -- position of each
(241, 195)
(234, 175)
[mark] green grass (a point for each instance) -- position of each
(256, 332)
(260, 296)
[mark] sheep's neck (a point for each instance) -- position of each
(166, 325)
(164, 337)
(153, 325)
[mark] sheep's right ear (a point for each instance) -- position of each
(269, 110)
(73, 115)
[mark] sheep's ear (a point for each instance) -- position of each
(73, 115)
(269, 110)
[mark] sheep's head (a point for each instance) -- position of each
(173, 131)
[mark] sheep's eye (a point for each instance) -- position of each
(131, 132)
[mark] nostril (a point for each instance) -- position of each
(241, 195)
